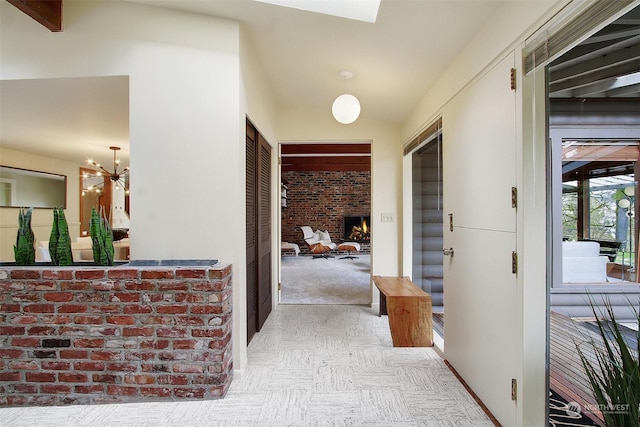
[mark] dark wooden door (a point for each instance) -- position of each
(264, 231)
(251, 228)
(258, 227)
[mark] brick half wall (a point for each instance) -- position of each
(84, 335)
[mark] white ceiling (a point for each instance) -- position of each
(395, 60)
(71, 119)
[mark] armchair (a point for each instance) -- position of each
(319, 242)
(582, 263)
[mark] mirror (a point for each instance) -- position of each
(27, 188)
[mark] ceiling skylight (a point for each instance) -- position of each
(360, 10)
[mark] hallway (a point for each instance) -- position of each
(309, 366)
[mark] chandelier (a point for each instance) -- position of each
(118, 177)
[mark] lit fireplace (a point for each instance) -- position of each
(357, 228)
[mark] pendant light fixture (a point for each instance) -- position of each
(118, 177)
(346, 107)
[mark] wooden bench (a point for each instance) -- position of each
(409, 310)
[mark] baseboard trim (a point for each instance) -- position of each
(475, 396)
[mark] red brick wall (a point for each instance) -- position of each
(100, 335)
(321, 199)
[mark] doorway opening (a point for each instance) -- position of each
(325, 227)
(425, 162)
(427, 242)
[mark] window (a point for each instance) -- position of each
(598, 197)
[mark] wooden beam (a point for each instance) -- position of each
(618, 70)
(594, 153)
(627, 54)
(326, 163)
(326, 149)
(578, 53)
(584, 211)
(326, 168)
(597, 169)
(45, 12)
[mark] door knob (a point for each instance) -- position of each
(447, 252)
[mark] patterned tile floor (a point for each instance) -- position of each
(309, 366)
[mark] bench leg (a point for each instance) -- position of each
(383, 305)
(410, 321)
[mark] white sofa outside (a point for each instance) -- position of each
(582, 263)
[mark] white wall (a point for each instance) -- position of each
(506, 31)
(184, 78)
(257, 104)
(187, 171)
(256, 96)
(42, 219)
(511, 23)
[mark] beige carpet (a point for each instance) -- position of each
(309, 366)
(325, 281)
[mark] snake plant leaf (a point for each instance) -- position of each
(64, 255)
(24, 251)
(101, 238)
(614, 372)
(53, 238)
(60, 241)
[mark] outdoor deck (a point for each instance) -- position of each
(567, 378)
(566, 375)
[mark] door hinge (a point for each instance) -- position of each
(279, 286)
(514, 197)
(513, 79)
(514, 389)
(514, 262)
(450, 222)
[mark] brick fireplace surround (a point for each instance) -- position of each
(321, 200)
(85, 335)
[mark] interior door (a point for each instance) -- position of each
(264, 231)
(251, 230)
(479, 164)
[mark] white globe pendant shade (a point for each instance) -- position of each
(630, 191)
(346, 108)
(624, 203)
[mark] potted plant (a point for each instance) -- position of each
(614, 372)
(101, 238)
(23, 250)
(59, 241)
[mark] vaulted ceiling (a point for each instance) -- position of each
(395, 61)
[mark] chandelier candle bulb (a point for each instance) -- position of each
(115, 176)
